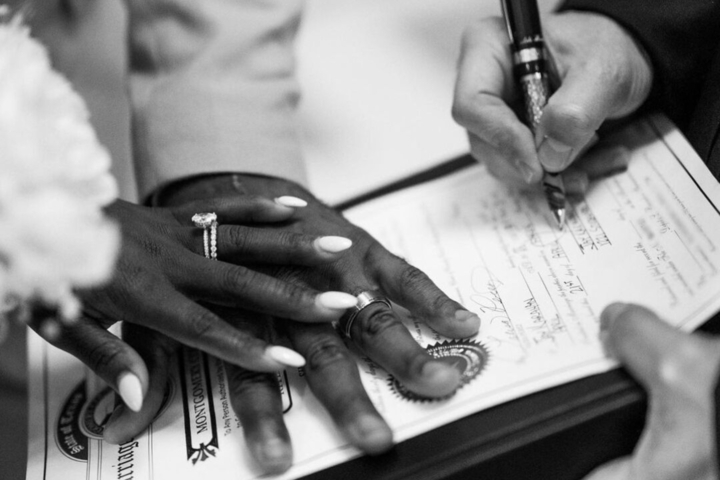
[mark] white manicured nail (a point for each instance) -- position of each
(336, 300)
(288, 201)
(130, 390)
(333, 244)
(285, 356)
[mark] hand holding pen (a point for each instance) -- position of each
(532, 73)
(602, 74)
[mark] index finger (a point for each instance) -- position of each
(484, 92)
(412, 288)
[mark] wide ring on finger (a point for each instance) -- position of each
(208, 222)
(365, 299)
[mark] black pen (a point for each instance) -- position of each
(531, 67)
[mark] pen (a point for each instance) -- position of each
(531, 65)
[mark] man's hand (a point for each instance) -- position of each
(603, 75)
(680, 372)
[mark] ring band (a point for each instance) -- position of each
(213, 240)
(365, 299)
(208, 222)
(206, 243)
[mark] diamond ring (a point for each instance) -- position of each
(365, 299)
(208, 222)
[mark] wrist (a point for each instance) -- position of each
(216, 185)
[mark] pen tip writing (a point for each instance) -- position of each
(559, 215)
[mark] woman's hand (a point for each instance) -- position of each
(162, 276)
(164, 282)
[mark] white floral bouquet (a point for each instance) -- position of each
(54, 180)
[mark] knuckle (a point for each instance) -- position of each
(240, 342)
(163, 348)
(674, 366)
(156, 245)
(627, 86)
(482, 152)
(292, 241)
(284, 297)
(244, 381)
(671, 372)
(501, 137)
(130, 286)
(377, 323)
(105, 355)
(325, 353)
(237, 237)
(376, 254)
(201, 323)
(439, 302)
(295, 295)
(138, 282)
(257, 207)
(412, 278)
(237, 280)
(573, 123)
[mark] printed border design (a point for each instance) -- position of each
(201, 437)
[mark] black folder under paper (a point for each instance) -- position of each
(557, 434)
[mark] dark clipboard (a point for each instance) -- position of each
(557, 434)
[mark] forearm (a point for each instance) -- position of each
(213, 89)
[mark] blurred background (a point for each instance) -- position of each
(377, 79)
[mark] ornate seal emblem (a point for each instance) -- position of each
(96, 413)
(83, 418)
(468, 357)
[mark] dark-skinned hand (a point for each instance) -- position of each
(162, 278)
(377, 332)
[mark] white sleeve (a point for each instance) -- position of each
(213, 89)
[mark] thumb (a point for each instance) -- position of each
(641, 341)
(605, 74)
(571, 117)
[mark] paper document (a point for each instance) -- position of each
(649, 236)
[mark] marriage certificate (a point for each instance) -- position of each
(648, 235)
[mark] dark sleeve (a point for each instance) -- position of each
(680, 36)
